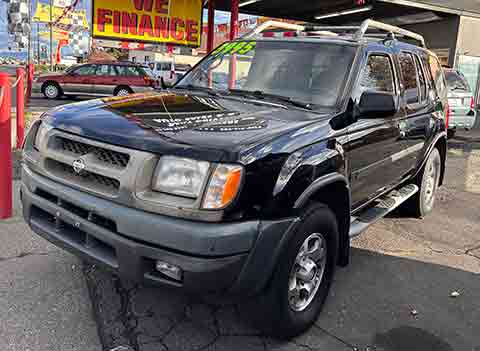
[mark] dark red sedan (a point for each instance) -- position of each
(97, 79)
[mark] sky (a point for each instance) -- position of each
(220, 17)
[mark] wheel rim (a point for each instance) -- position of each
(307, 272)
(431, 182)
(51, 91)
(123, 92)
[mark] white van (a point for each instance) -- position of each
(170, 71)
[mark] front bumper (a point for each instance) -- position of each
(215, 257)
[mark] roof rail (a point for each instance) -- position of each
(358, 32)
(274, 24)
(367, 24)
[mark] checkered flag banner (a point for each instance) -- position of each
(18, 21)
(79, 43)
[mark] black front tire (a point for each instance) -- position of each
(272, 310)
(122, 91)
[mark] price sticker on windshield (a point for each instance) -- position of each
(241, 48)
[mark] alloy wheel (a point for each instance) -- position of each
(307, 272)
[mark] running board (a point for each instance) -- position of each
(384, 206)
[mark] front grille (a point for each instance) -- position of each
(114, 158)
(90, 180)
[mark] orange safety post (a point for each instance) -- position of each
(5, 147)
(20, 107)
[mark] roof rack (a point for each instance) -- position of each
(358, 32)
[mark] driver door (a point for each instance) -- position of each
(80, 80)
(374, 142)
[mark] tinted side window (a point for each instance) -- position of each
(105, 70)
(85, 70)
(128, 71)
(377, 75)
(421, 79)
(409, 77)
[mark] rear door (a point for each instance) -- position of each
(105, 80)
(373, 142)
(415, 126)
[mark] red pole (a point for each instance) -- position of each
(211, 25)
(20, 107)
(233, 36)
(5, 148)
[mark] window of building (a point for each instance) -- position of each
(378, 75)
(409, 78)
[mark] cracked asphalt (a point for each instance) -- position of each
(395, 295)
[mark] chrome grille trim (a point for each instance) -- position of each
(110, 170)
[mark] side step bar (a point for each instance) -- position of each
(384, 206)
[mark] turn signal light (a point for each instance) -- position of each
(472, 103)
(223, 187)
(447, 115)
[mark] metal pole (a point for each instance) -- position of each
(38, 42)
(233, 35)
(51, 35)
(211, 25)
(29, 54)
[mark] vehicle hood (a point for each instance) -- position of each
(190, 125)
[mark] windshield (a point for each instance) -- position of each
(312, 73)
(456, 81)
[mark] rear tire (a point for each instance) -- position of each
(52, 90)
(298, 289)
(122, 91)
(451, 133)
(422, 202)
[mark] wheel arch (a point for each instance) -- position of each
(333, 191)
(441, 145)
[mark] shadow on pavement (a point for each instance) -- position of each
(372, 306)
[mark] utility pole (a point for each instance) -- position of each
(29, 54)
(51, 35)
(38, 42)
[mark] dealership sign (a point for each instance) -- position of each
(153, 21)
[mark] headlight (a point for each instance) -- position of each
(180, 176)
(223, 186)
(42, 131)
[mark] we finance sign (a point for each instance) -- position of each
(150, 21)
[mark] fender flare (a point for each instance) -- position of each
(319, 184)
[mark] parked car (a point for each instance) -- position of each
(254, 191)
(170, 71)
(461, 100)
(97, 79)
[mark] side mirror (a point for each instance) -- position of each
(376, 105)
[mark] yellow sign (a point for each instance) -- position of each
(151, 21)
(57, 35)
(42, 14)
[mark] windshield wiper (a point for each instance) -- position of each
(262, 95)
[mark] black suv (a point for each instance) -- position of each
(251, 187)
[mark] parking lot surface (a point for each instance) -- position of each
(412, 285)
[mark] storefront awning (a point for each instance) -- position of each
(335, 11)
